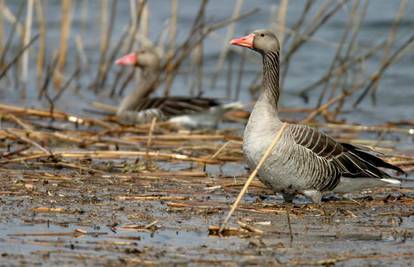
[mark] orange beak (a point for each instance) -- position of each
(246, 41)
(127, 60)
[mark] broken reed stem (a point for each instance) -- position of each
(222, 148)
(20, 122)
(252, 175)
(151, 130)
(249, 228)
(31, 142)
(108, 154)
(55, 115)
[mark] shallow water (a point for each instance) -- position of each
(395, 95)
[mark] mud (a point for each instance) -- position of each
(60, 217)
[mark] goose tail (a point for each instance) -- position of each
(232, 105)
(391, 181)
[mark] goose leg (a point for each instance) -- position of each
(288, 197)
(314, 195)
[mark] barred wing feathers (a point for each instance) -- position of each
(349, 160)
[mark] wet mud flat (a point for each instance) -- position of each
(79, 191)
(73, 218)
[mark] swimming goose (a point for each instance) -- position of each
(304, 161)
(138, 107)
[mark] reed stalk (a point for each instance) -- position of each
(281, 18)
(144, 20)
(406, 46)
(322, 16)
(172, 29)
(106, 34)
(230, 33)
(392, 35)
(41, 54)
(15, 26)
(64, 39)
(26, 39)
(337, 56)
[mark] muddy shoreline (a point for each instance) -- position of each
(66, 217)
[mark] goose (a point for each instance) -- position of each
(305, 161)
(139, 107)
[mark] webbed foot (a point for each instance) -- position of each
(314, 195)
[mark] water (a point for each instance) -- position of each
(395, 94)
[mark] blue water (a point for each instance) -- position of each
(395, 94)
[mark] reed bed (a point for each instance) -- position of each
(63, 140)
(342, 82)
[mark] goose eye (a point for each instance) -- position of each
(262, 35)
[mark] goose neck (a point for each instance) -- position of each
(271, 77)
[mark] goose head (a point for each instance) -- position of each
(144, 58)
(262, 41)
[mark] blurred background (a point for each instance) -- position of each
(352, 59)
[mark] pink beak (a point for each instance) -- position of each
(246, 41)
(127, 60)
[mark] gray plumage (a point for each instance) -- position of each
(305, 160)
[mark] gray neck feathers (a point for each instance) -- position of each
(271, 77)
(148, 82)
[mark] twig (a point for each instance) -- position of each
(252, 175)
(384, 66)
(249, 228)
(16, 57)
(27, 140)
(13, 30)
(149, 140)
(222, 148)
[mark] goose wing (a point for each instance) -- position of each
(176, 105)
(351, 161)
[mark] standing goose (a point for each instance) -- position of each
(304, 161)
(138, 107)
